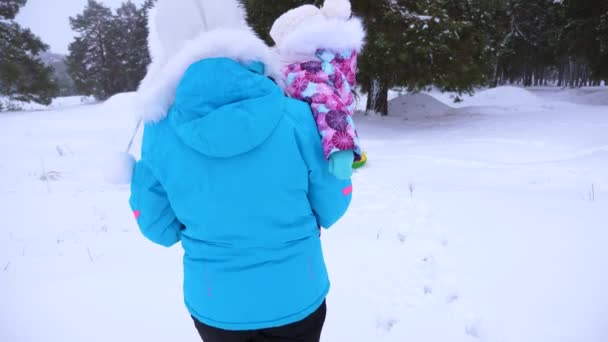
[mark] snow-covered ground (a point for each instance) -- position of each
(58, 103)
(482, 221)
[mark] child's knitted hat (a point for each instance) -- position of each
(292, 19)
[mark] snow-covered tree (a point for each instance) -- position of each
(456, 45)
(419, 43)
(23, 76)
(530, 42)
(410, 43)
(586, 34)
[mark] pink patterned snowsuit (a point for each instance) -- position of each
(327, 84)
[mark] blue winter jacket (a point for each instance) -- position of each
(236, 172)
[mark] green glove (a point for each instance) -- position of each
(341, 164)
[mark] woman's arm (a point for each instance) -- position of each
(152, 209)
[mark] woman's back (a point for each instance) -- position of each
(236, 171)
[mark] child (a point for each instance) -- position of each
(318, 49)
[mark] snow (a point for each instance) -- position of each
(503, 97)
(481, 221)
(58, 103)
(585, 96)
(422, 17)
(417, 105)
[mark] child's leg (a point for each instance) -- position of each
(307, 330)
(211, 334)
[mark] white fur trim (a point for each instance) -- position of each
(290, 20)
(155, 98)
(337, 9)
(324, 33)
(171, 24)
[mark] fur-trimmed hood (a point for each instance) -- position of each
(154, 98)
(182, 32)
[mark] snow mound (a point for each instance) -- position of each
(122, 101)
(412, 106)
(71, 101)
(590, 96)
(504, 97)
(596, 98)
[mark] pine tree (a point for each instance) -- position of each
(24, 77)
(601, 69)
(494, 23)
(90, 60)
(10, 8)
(585, 37)
(110, 55)
(419, 43)
(457, 45)
(130, 44)
(455, 40)
(385, 33)
(530, 45)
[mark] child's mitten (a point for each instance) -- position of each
(341, 164)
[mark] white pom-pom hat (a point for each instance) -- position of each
(341, 9)
(303, 30)
(292, 19)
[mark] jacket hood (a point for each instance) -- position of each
(224, 108)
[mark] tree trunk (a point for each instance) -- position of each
(585, 72)
(494, 83)
(530, 78)
(377, 99)
(528, 71)
(571, 71)
(543, 81)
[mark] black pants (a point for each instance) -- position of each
(307, 330)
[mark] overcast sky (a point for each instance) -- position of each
(49, 19)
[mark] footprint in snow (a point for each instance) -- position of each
(386, 324)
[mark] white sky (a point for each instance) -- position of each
(49, 19)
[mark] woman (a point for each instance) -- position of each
(235, 171)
